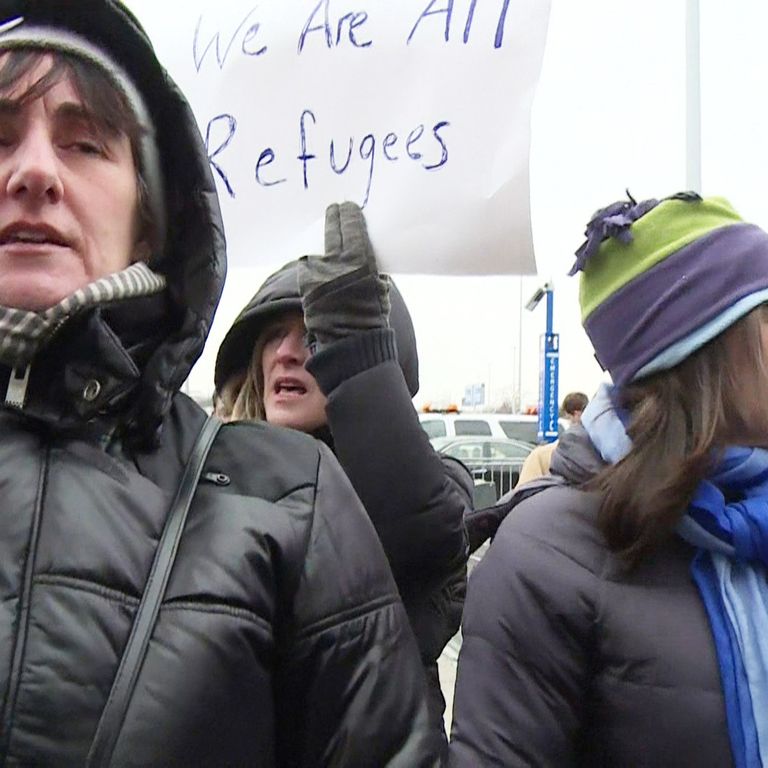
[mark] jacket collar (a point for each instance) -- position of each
(91, 371)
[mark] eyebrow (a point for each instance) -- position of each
(68, 110)
(72, 110)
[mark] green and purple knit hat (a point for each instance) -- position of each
(662, 278)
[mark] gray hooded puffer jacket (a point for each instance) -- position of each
(269, 649)
(569, 659)
(416, 499)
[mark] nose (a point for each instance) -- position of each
(292, 347)
(34, 172)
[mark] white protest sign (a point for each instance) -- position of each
(418, 110)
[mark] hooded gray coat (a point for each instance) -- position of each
(569, 659)
(270, 649)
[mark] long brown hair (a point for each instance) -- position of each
(678, 422)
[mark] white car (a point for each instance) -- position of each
(513, 425)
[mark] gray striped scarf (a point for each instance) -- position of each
(23, 332)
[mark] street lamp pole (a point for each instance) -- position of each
(549, 367)
(550, 309)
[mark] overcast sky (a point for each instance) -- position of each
(609, 115)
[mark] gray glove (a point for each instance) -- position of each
(342, 293)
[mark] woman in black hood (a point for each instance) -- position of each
(159, 607)
(326, 346)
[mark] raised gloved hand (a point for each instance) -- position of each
(342, 292)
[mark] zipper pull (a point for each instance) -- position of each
(217, 478)
(16, 394)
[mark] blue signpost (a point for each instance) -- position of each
(549, 369)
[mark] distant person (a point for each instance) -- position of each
(538, 460)
(327, 347)
(574, 404)
(620, 617)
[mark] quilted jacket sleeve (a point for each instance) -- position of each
(524, 666)
(415, 504)
(350, 688)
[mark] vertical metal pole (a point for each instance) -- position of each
(549, 371)
(550, 309)
(692, 96)
(520, 347)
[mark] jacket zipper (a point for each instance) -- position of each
(16, 394)
(14, 679)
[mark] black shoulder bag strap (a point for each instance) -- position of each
(112, 717)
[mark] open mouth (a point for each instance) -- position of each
(288, 386)
(32, 234)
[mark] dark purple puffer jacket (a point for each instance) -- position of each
(569, 659)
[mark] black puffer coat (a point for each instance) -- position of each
(415, 498)
(281, 640)
(569, 659)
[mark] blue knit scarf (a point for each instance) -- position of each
(730, 569)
